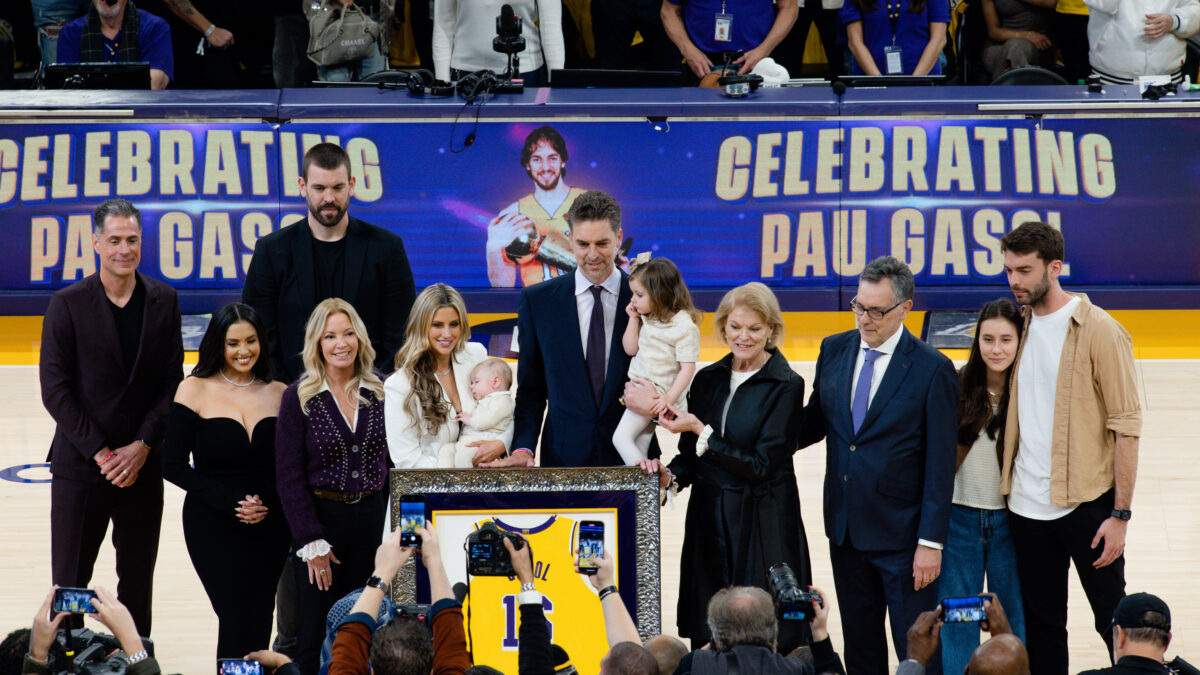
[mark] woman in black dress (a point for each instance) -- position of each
(220, 448)
(735, 452)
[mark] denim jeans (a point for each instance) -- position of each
(50, 16)
(353, 71)
(979, 541)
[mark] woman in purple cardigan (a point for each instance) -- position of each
(331, 466)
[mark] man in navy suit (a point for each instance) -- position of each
(571, 360)
(884, 402)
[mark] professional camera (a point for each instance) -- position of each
(486, 555)
(84, 651)
(792, 603)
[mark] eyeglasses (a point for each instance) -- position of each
(875, 314)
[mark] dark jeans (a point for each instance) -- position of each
(79, 517)
(1070, 34)
(870, 584)
(1045, 551)
(354, 531)
(615, 21)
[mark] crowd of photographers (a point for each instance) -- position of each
(368, 634)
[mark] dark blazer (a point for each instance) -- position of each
(378, 282)
(551, 373)
(891, 483)
(86, 388)
(744, 512)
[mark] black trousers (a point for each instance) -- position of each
(79, 515)
(1045, 551)
(870, 584)
(615, 21)
(239, 565)
(1070, 34)
(354, 531)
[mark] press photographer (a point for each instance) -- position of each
(745, 629)
(47, 645)
(1002, 654)
(403, 647)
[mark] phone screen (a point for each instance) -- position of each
(591, 545)
(238, 667)
(74, 600)
(412, 516)
(963, 610)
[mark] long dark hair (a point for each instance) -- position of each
(868, 6)
(212, 345)
(974, 408)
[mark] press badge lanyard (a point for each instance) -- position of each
(724, 28)
(892, 54)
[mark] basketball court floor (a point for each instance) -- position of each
(1162, 553)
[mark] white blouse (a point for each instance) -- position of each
(408, 444)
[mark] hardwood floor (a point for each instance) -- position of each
(1162, 550)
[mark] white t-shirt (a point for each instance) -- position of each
(1037, 382)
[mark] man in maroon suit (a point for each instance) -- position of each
(112, 356)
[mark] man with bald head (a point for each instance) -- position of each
(1003, 654)
(668, 651)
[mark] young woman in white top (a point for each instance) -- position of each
(431, 385)
(979, 542)
(463, 31)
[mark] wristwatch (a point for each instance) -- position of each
(1121, 514)
(376, 582)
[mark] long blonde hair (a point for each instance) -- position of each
(424, 403)
(314, 360)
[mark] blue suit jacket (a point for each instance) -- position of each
(551, 373)
(892, 482)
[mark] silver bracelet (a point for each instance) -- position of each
(138, 656)
(210, 30)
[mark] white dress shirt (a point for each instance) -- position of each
(880, 367)
(583, 304)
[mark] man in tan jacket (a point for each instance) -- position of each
(1070, 447)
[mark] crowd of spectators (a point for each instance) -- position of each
(210, 44)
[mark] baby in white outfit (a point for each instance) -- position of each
(491, 380)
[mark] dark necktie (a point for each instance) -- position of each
(595, 345)
(862, 393)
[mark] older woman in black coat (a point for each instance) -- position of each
(735, 452)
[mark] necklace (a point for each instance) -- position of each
(993, 395)
(445, 373)
(236, 384)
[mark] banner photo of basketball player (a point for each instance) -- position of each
(793, 203)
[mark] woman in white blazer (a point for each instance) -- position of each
(431, 385)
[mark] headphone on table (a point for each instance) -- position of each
(421, 82)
